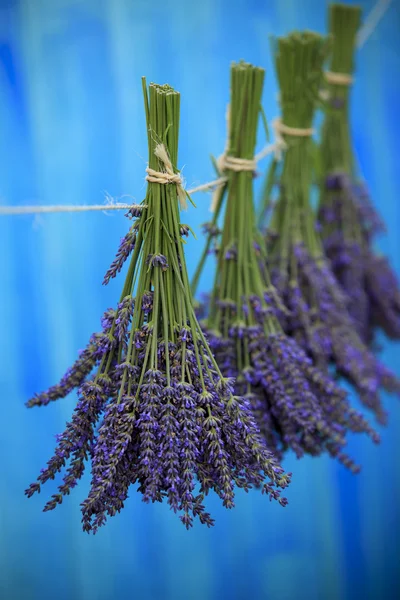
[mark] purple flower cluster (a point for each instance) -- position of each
(157, 415)
(297, 406)
(98, 345)
(321, 324)
(166, 434)
(126, 247)
(383, 291)
(161, 429)
(343, 188)
(349, 224)
(212, 231)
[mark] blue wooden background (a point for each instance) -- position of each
(71, 130)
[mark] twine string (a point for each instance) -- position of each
(29, 210)
(169, 176)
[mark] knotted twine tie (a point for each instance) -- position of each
(168, 175)
(280, 128)
(338, 78)
(335, 79)
(230, 163)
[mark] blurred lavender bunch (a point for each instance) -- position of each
(348, 219)
(296, 405)
(317, 317)
(157, 412)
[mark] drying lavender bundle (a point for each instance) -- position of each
(296, 405)
(318, 318)
(349, 221)
(157, 412)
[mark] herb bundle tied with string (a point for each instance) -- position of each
(296, 405)
(317, 316)
(157, 412)
(348, 219)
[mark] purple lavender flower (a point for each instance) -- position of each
(383, 291)
(134, 212)
(231, 253)
(172, 434)
(349, 224)
(123, 318)
(296, 405)
(321, 323)
(98, 345)
(184, 230)
(126, 247)
(337, 103)
(147, 302)
(211, 229)
(157, 260)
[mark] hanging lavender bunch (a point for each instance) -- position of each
(157, 412)
(349, 221)
(296, 405)
(318, 318)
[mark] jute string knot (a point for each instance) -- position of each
(167, 175)
(338, 78)
(230, 163)
(233, 163)
(280, 128)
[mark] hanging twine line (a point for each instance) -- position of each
(168, 176)
(27, 210)
(224, 162)
(164, 177)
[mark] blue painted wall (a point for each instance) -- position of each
(71, 129)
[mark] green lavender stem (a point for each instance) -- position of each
(336, 152)
(158, 233)
(336, 147)
(299, 60)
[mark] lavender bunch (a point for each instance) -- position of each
(348, 219)
(157, 413)
(318, 318)
(296, 405)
